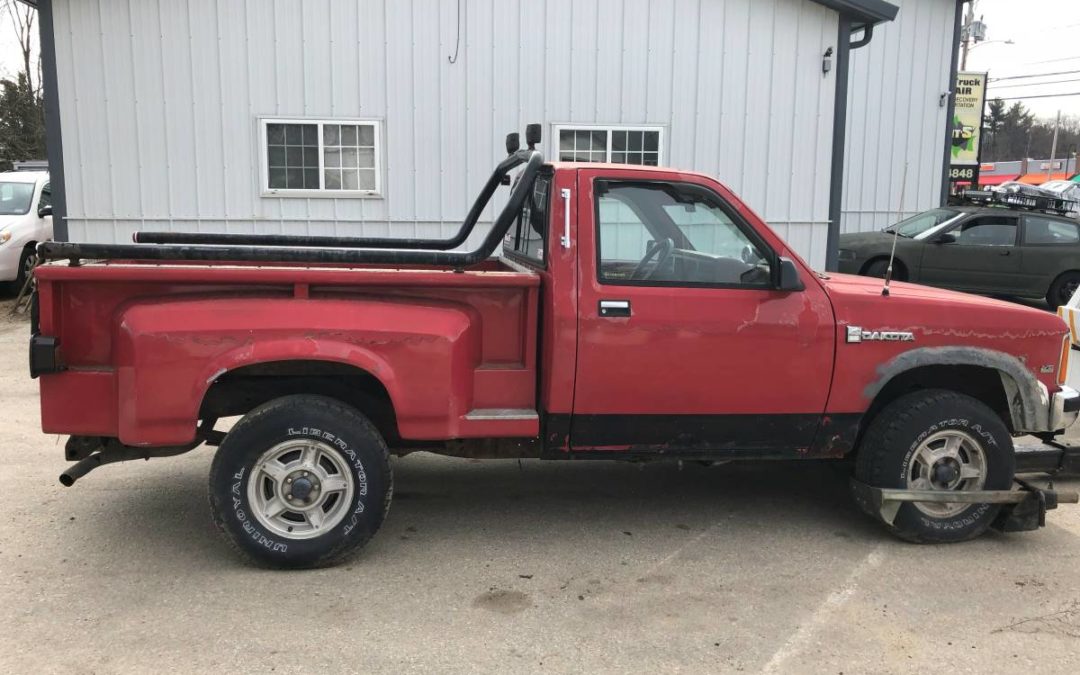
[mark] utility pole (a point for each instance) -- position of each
(1053, 147)
(966, 32)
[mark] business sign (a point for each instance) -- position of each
(969, 97)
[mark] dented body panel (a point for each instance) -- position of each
(516, 356)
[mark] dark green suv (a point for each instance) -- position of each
(990, 250)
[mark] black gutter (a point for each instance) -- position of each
(54, 144)
(863, 11)
(836, 173)
(946, 162)
(457, 259)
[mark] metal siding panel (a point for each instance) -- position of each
(709, 87)
(120, 128)
(207, 107)
(609, 62)
(635, 69)
(454, 127)
(90, 109)
(400, 156)
(682, 81)
(895, 116)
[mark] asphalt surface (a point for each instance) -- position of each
(500, 566)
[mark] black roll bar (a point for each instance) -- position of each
(532, 159)
(458, 239)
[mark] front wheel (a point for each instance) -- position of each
(301, 481)
(937, 440)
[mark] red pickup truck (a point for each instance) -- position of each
(634, 313)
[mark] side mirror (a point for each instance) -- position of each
(789, 277)
(945, 238)
(44, 210)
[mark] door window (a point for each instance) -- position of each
(1041, 230)
(987, 231)
(675, 234)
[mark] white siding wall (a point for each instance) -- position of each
(159, 102)
(895, 116)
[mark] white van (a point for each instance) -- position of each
(25, 220)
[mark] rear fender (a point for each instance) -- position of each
(168, 354)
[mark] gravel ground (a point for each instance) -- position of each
(500, 566)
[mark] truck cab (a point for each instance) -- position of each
(635, 313)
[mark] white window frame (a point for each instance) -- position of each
(557, 130)
(264, 160)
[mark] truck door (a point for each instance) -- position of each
(684, 345)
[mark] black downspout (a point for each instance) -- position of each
(53, 141)
(836, 174)
(946, 162)
(844, 45)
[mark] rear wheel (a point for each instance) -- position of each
(1062, 290)
(26, 267)
(937, 440)
(301, 481)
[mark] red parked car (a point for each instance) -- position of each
(635, 313)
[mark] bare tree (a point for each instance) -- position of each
(22, 17)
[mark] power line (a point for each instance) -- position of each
(1024, 77)
(1014, 98)
(1032, 84)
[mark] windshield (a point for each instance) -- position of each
(923, 222)
(15, 198)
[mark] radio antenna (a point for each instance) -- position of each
(895, 233)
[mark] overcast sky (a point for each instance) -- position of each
(1046, 36)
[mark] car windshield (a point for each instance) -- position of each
(922, 223)
(15, 198)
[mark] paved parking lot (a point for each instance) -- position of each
(501, 566)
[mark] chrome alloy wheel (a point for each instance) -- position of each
(300, 488)
(947, 460)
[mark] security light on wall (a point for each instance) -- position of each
(826, 61)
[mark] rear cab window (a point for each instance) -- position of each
(525, 239)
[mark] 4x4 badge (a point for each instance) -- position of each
(857, 334)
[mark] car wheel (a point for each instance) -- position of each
(878, 268)
(1062, 290)
(937, 440)
(27, 261)
(301, 481)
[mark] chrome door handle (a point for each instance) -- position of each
(614, 308)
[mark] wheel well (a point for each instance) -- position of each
(983, 384)
(239, 391)
(899, 268)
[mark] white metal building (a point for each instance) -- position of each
(362, 117)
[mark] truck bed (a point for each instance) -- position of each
(142, 346)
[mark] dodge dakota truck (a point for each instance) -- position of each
(634, 313)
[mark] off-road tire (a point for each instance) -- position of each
(895, 434)
(289, 418)
(1059, 294)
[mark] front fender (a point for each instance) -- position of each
(1029, 401)
(168, 353)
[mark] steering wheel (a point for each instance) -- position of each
(661, 252)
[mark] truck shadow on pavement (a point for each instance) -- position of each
(456, 506)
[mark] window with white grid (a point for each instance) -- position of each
(322, 158)
(614, 144)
